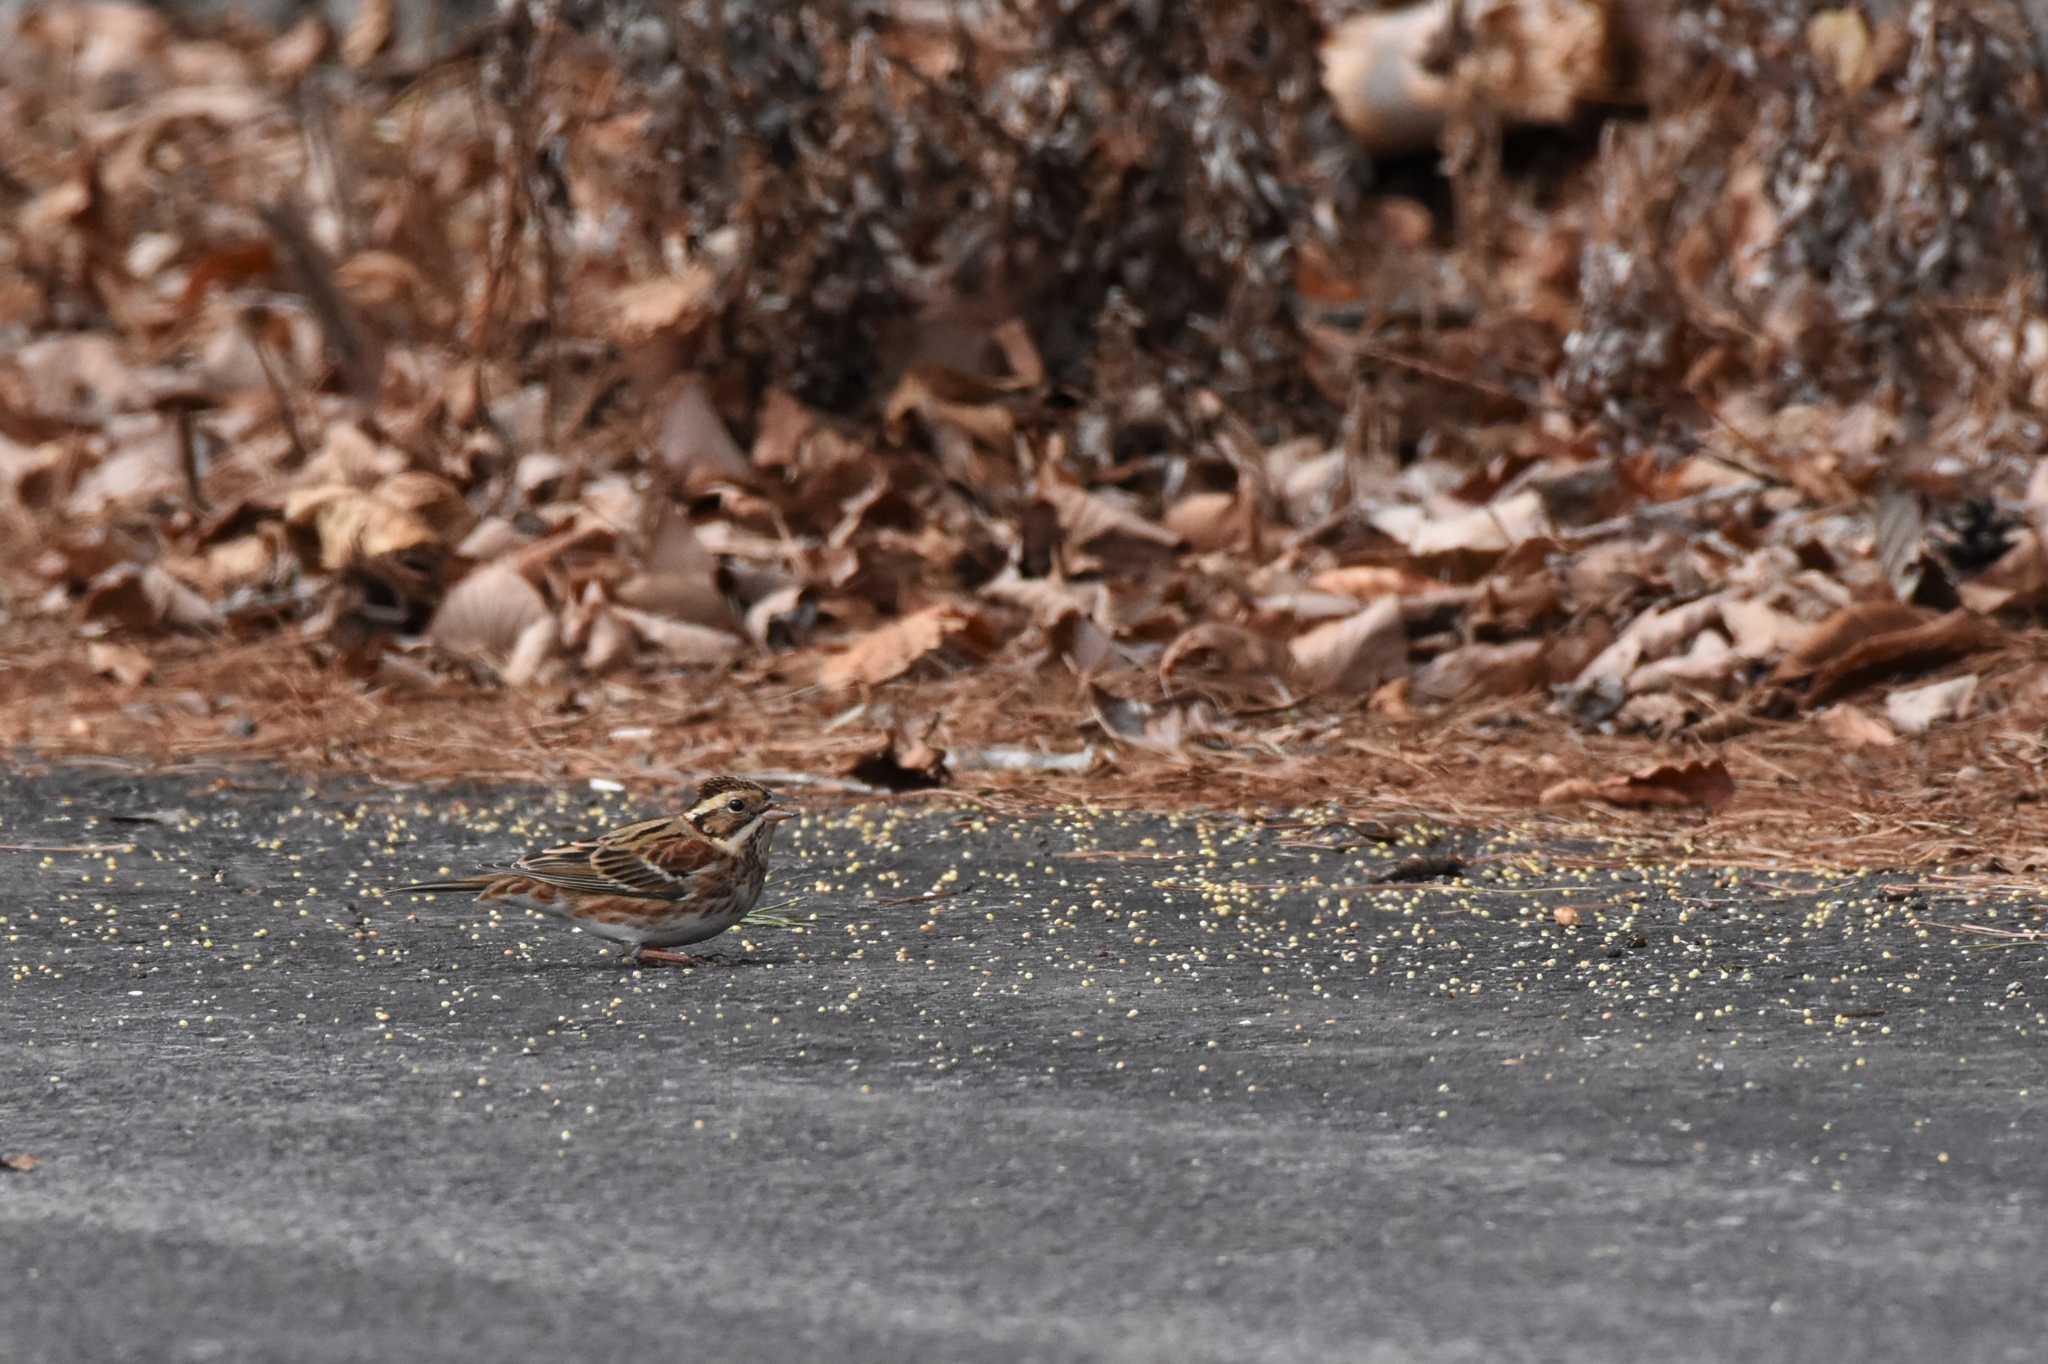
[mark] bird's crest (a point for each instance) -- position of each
(718, 786)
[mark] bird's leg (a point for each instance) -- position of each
(661, 957)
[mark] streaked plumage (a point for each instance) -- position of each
(656, 884)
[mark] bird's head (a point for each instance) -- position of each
(733, 812)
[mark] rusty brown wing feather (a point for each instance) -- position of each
(661, 866)
(683, 853)
(632, 860)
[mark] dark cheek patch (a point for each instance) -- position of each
(721, 823)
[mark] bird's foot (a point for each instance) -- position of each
(656, 956)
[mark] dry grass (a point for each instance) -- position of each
(1967, 804)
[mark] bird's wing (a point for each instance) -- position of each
(655, 858)
(659, 864)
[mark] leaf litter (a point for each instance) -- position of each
(1057, 373)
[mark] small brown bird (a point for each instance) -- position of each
(660, 883)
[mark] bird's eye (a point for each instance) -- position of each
(736, 805)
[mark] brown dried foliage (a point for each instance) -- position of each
(1056, 360)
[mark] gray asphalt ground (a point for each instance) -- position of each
(1132, 1089)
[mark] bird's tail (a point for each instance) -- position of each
(470, 885)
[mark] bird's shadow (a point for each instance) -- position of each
(608, 966)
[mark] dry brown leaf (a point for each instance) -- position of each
(1604, 576)
(854, 508)
(1167, 726)
(1305, 607)
(905, 761)
(2018, 578)
(1704, 783)
(142, 468)
(1517, 604)
(614, 499)
(1918, 709)
(1655, 713)
(955, 385)
(1020, 352)
(782, 618)
(230, 362)
(679, 580)
(1492, 529)
(693, 599)
(1476, 670)
(20, 1162)
(1852, 727)
(668, 305)
(35, 477)
(1365, 582)
(694, 443)
(407, 673)
(390, 290)
(1839, 40)
(1209, 521)
(1571, 651)
(607, 644)
(536, 646)
(1760, 631)
(257, 560)
(77, 377)
(296, 51)
(1650, 635)
(53, 214)
(1845, 630)
(725, 540)
(369, 33)
(1087, 517)
(581, 542)
(1922, 646)
(336, 527)
(433, 499)
(894, 649)
(1391, 700)
(1084, 646)
(945, 397)
(1709, 659)
(350, 456)
(145, 599)
(1355, 654)
(488, 613)
(1310, 481)
(1047, 599)
(130, 307)
(124, 663)
(76, 560)
(1216, 647)
(492, 538)
(107, 44)
(682, 641)
(781, 427)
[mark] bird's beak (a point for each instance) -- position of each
(779, 810)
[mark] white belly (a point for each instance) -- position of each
(689, 931)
